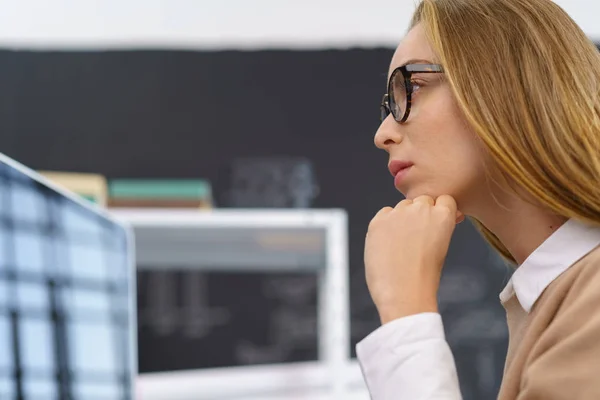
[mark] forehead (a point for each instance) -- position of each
(414, 46)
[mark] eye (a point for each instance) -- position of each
(416, 85)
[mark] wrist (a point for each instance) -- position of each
(393, 312)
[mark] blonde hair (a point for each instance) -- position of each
(528, 81)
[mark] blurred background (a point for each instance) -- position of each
(237, 138)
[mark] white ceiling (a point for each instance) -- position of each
(219, 24)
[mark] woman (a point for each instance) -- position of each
(493, 112)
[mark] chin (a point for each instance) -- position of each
(413, 193)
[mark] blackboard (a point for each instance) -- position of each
(185, 114)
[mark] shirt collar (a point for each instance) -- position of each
(567, 245)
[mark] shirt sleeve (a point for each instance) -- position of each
(409, 358)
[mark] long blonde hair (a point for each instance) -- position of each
(528, 81)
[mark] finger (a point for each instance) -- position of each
(425, 199)
(383, 211)
(379, 216)
(449, 203)
(403, 203)
(446, 201)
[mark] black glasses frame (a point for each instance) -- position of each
(388, 104)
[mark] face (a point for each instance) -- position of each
(444, 151)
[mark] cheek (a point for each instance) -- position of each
(456, 171)
(452, 167)
(450, 158)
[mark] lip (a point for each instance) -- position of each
(398, 165)
(399, 169)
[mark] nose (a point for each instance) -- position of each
(388, 134)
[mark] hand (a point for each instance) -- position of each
(405, 250)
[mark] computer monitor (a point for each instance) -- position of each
(67, 325)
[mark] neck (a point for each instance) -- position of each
(520, 225)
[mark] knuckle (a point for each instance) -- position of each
(420, 206)
(417, 207)
(379, 216)
(424, 197)
(424, 201)
(403, 203)
(444, 212)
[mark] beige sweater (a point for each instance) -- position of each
(554, 351)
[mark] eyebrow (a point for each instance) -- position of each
(416, 61)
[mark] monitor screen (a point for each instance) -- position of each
(67, 329)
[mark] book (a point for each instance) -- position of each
(92, 187)
(157, 203)
(159, 193)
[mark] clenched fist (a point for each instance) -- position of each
(405, 250)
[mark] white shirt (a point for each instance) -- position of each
(409, 358)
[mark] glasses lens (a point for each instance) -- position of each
(397, 95)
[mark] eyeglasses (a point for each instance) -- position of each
(398, 99)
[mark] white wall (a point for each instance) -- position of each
(210, 24)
